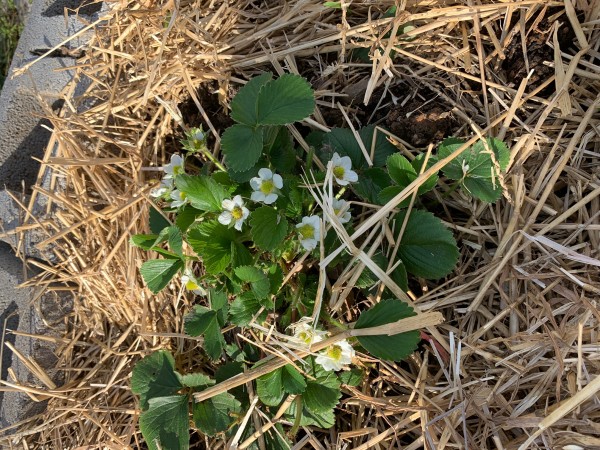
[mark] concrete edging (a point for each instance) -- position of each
(24, 135)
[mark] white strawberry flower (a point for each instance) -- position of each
(175, 167)
(179, 198)
(309, 230)
(234, 211)
(191, 284)
(165, 187)
(265, 186)
(308, 335)
(336, 356)
(341, 210)
(341, 167)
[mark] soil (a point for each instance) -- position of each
(209, 99)
(539, 53)
(420, 122)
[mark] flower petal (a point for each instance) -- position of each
(345, 162)
(270, 199)
(255, 183)
(277, 181)
(225, 218)
(257, 196)
(351, 176)
(228, 204)
(309, 244)
(265, 173)
(238, 200)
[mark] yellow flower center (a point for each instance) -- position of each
(305, 337)
(191, 285)
(177, 170)
(266, 187)
(307, 231)
(182, 195)
(334, 352)
(237, 212)
(339, 172)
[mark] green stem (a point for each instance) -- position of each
(214, 160)
(298, 418)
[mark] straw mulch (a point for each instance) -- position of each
(517, 358)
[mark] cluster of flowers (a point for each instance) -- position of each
(266, 188)
(335, 357)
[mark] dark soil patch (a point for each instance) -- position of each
(420, 121)
(539, 53)
(209, 99)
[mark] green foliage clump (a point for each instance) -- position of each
(233, 231)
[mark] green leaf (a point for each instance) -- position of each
(215, 415)
(196, 380)
(214, 341)
(383, 147)
(242, 147)
(246, 175)
(319, 399)
(158, 272)
(261, 290)
(501, 152)
(292, 381)
(276, 439)
(172, 235)
(243, 309)
(244, 104)
(404, 173)
(268, 228)
(370, 183)
(203, 192)
(240, 255)
(199, 320)
(352, 377)
(417, 163)
(427, 248)
(166, 425)
(249, 274)
(218, 300)
(275, 278)
(206, 321)
(282, 154)
(229, 370)
(269, 388)
(387, 194)
(324, 419)
(395, 347)
(483, 189)
(400, 169)
(143, 241)
(475, 168)
(157, 221)
(155, 376)
(212, 241)
(343, 142)
(186, 216)
(286, 100)
(323, 393)
(367, 279)
(258, 281)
